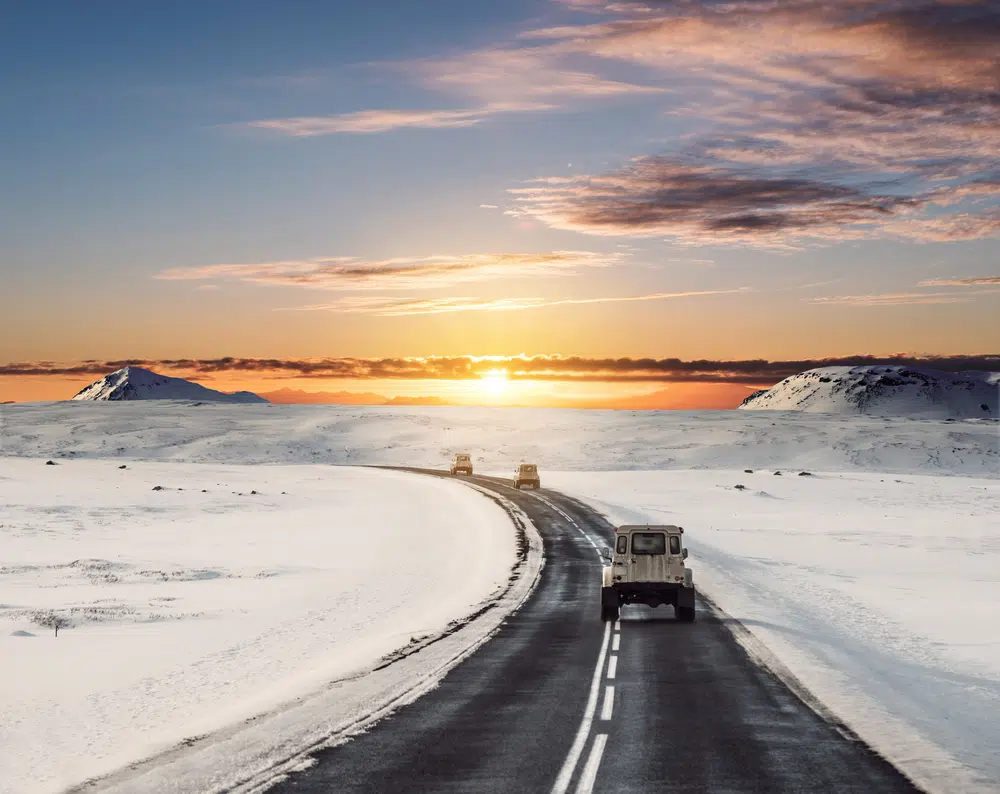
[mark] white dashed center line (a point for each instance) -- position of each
(609, 703)
(613, 666)
(589, 775)
(569, 765)
(616, 641)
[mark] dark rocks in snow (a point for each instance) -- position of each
(777, 474)
(123, 466)
(157, 487)
(748, 471)
(51, 463)
(805, 474)
(740, 487)
(253, 493)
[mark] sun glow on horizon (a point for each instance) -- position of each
(495, 383)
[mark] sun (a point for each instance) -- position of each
(494, 382)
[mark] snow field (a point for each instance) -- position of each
(878, 593)
(499, 438)
(194, 607)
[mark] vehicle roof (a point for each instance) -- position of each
(526, 466)
(670, 528)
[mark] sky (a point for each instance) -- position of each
(284, 197)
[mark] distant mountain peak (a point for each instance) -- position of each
(136, 383)
(884, 390)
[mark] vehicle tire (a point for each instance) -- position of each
(684, 614)
(609, 604)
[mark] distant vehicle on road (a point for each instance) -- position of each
(527, 474)
(647, 567)
(462, 464)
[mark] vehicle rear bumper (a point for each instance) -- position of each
(654, 593)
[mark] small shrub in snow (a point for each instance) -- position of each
(50, 620)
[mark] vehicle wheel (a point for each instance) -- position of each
(684, 614)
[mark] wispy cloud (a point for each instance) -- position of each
(961, 282)
(891, 299)
(389, 307)
(349, 273)
(371, 121)
(659, 196)
(540, 367)
(876, 103)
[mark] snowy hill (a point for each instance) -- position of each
(883, 391)
(135, 383)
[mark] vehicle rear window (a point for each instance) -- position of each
(622, 545)
(528, 468)
(675, 544)
(649, 543)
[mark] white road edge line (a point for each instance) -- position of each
(609, 703)
(613, 664)
(569, 765)
(616, 641)
(567, 516)
(589, 775)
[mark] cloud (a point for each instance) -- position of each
(540, 367)
(659, 196)
(388, 307)
(371, 121)
(961, 282)
(523, 74)
(879, 97)
(488, 207)
(350, 273)
(891, 299)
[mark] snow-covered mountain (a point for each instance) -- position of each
(884, 391)
(136, 383)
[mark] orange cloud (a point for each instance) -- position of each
(351, 273)
(399, 307)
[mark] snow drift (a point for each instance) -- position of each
(136, 383)
(195, 597)
(879, 594)
(883, 391)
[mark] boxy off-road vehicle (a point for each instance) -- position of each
(462, 464)
(647, 567)
(527, 474)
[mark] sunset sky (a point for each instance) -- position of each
(648, 204)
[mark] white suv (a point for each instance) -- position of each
(647, 567)
(527, 474)
(462, 464)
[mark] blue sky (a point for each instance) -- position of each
(731, 180)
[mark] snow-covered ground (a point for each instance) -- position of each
(194, 607)
(499, 438)
(879, 593)
(875, 581)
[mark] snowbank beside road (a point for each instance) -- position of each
(878, 593)
(197, 606)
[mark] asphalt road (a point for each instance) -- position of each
(560, 702)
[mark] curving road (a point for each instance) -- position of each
(560, 702)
